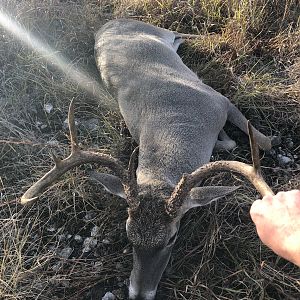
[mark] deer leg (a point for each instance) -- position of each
(238, 119)
(224, 142)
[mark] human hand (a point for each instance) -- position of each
(277, 220)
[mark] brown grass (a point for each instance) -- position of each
(250, 54)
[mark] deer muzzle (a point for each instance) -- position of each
(148, 266)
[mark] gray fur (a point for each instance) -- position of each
(176, 119)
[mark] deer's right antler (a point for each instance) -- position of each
(77, 158)
(188, 181)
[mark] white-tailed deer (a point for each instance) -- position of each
(177, 121)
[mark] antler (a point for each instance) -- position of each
(132, 166)
(188, 181)
(76, 158)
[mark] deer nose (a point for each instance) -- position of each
(141, 295)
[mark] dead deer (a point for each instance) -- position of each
(177, 121)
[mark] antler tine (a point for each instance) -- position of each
(188, 181)
(132, 166)
(76, 158)
(72, 127)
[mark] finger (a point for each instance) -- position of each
(256, 210)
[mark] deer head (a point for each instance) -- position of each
(154, 210)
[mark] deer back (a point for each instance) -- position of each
(173, 116)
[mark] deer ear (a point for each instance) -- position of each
(201, 196)
(111, 183)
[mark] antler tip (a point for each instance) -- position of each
(27, 201)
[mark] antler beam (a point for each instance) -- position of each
(188, 181)
(76, 158)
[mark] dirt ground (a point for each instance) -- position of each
(72, 243)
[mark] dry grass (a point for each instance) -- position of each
(250, 53)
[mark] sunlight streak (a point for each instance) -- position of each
(53, 57)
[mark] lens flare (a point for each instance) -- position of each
(53, 57)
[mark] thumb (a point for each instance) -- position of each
(256, 210)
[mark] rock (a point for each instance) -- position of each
(48, 107)
(98, 265)
(106, 241)
(126, 251)
(109, 296)
(51, 228)
(53, 142)
(78, 238)
(276, 140)
(61, 237)
(283, 160)
(91, 124)
(95, 231)
(65, 252)
(88, 244)
(90, 215)
(57, 266)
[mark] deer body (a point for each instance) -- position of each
(177, 120)
(173, 116)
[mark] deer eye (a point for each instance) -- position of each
(172, 239)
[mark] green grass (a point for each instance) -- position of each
(249, 51)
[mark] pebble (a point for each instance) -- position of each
(48, 108)
(90, 215)
(91, 124)
(51, 228)
(95, 231)
(78, 238)
(109, 296)
(65, 252)
(283, 160)
(88, 244)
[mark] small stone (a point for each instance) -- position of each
(91, 124)
(78, 238)
(95, 231)
(276, 140)
(51, 228)
(90, 215)
(126, 251)
(65, 253)
(272, 152)
(61, 237)
(57, 266)
(106, 241)
(68, 236)
(109, 296)
(98, 265)
(283, 160)
(48, 108)
(52, 142)
(88, 244)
